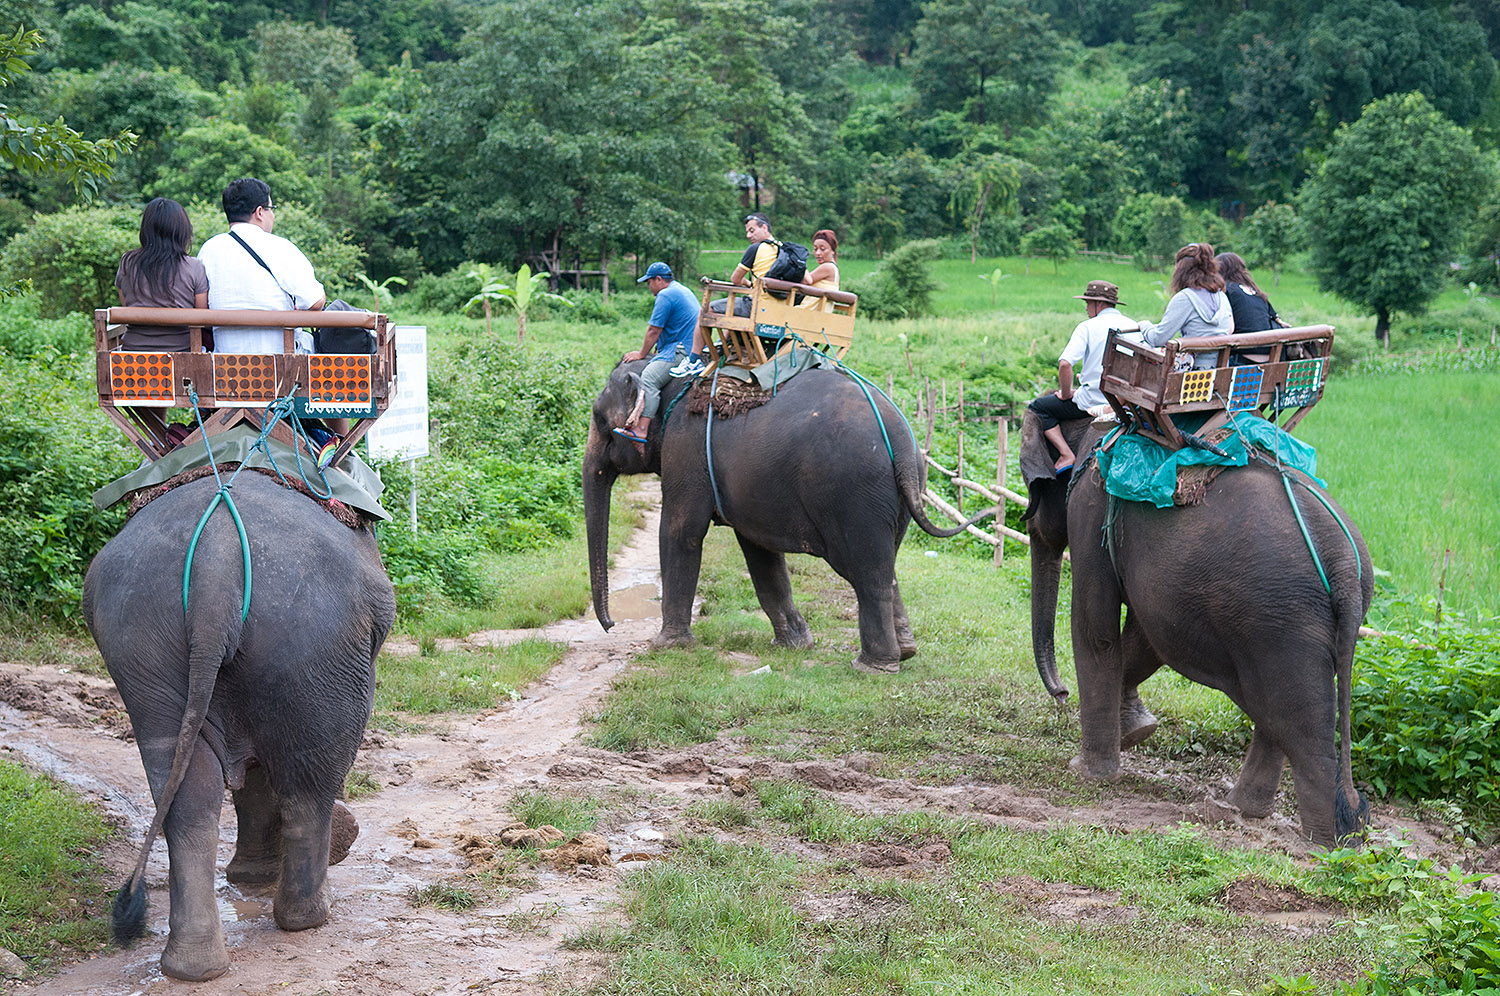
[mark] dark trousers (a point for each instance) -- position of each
(741, 306)
(1051, 409)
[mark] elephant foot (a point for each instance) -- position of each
(1256, 805)
(666, 641)
(345, 832)
(195, 961)
(795, 641)
(1136, 725)
(871, 666)
(1095, 772)
(907, 650)
(303, 914)
(253, 871)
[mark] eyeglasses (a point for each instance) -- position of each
(269, 207)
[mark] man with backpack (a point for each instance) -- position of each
(761, 260)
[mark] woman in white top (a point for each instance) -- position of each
(1199, 306)
(825, 249)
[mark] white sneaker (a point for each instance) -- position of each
(690, 367)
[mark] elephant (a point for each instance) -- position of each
(1226, 593)
(809, 472)
(273, 704)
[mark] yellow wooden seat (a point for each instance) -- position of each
(1145, 385)
(733, 340)
(137, 386)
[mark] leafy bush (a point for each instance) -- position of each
(28, 334)
(1425, 717)
(493, 400)
(1447, 939)
(445, 294)
(55, 448)
(71, 257)
(901, 286)
(1150, 226)
(590, 307)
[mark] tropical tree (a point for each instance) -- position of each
(1272, 234)
(1151, 227)
(996, 58)
(990, 181)
(383, 295)
(1390, 205)
(33, 147)
(1054, 242)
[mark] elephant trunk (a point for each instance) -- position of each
(1046, 572)
(598, 482)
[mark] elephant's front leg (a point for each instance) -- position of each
(257, 846)
(1254, 794)
(195, 942)
(906, 641)
(1096, 652)
(680, 546)
(773, 588)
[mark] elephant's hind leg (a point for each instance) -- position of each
(773, 588)
(906, 642)
(195, 948)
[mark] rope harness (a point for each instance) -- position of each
(1112, 506)
(864, 385)
(281, 408)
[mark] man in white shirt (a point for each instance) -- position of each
(1085, 354)
(249, 268)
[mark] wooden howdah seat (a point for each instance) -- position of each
(733, 340)
(137, 387)
(1144, 385)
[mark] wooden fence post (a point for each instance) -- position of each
(960, 443)
(1000, 445)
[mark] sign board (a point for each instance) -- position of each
(401, 433)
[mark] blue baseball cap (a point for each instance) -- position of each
(657, 269)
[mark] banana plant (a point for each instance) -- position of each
(993, 279)
(520, 296)
(384, 297)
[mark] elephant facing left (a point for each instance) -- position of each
(273, 705)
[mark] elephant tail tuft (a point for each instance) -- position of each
(128, 918)
(1349, 821)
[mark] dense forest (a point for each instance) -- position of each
(417, 135)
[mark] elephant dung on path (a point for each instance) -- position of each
(807, 472)
(1226, 593)
(274, 705)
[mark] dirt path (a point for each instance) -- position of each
(441, 789)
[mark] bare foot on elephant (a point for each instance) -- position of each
(1136, 726)
(665, 641)
(195, 961)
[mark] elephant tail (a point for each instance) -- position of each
(212, 635)
(1351, 810)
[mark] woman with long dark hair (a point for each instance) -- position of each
(1198, 307)
(161, 274)
(1252, 310)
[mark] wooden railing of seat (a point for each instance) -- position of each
(136, 387)
(1144, 384)
(741, 341)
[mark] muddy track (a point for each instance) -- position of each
(441, 790)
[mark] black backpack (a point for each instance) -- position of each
(790, 265)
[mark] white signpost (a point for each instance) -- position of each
(401, 432)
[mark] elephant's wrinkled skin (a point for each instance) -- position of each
(274, 706)
(1227, 594)
(808, 472)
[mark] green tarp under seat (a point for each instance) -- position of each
(354, 482)
(1139, 469)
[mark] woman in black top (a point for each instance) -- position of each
(161, 274)
(1252, 310)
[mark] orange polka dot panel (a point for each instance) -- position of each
(245, 377)
(339, 379)
(141, 378)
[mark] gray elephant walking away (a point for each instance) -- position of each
(809, 471)
(1226, 593)
(273, 705)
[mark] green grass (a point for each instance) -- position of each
(53, 892)
(571, 814)
(1389, 450)
(460, 680)
(732, 915)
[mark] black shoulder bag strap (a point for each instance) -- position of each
(256, 256)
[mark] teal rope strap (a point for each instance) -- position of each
(708, 446)
(1358, 560)
(1306, 536)
(187, 569)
